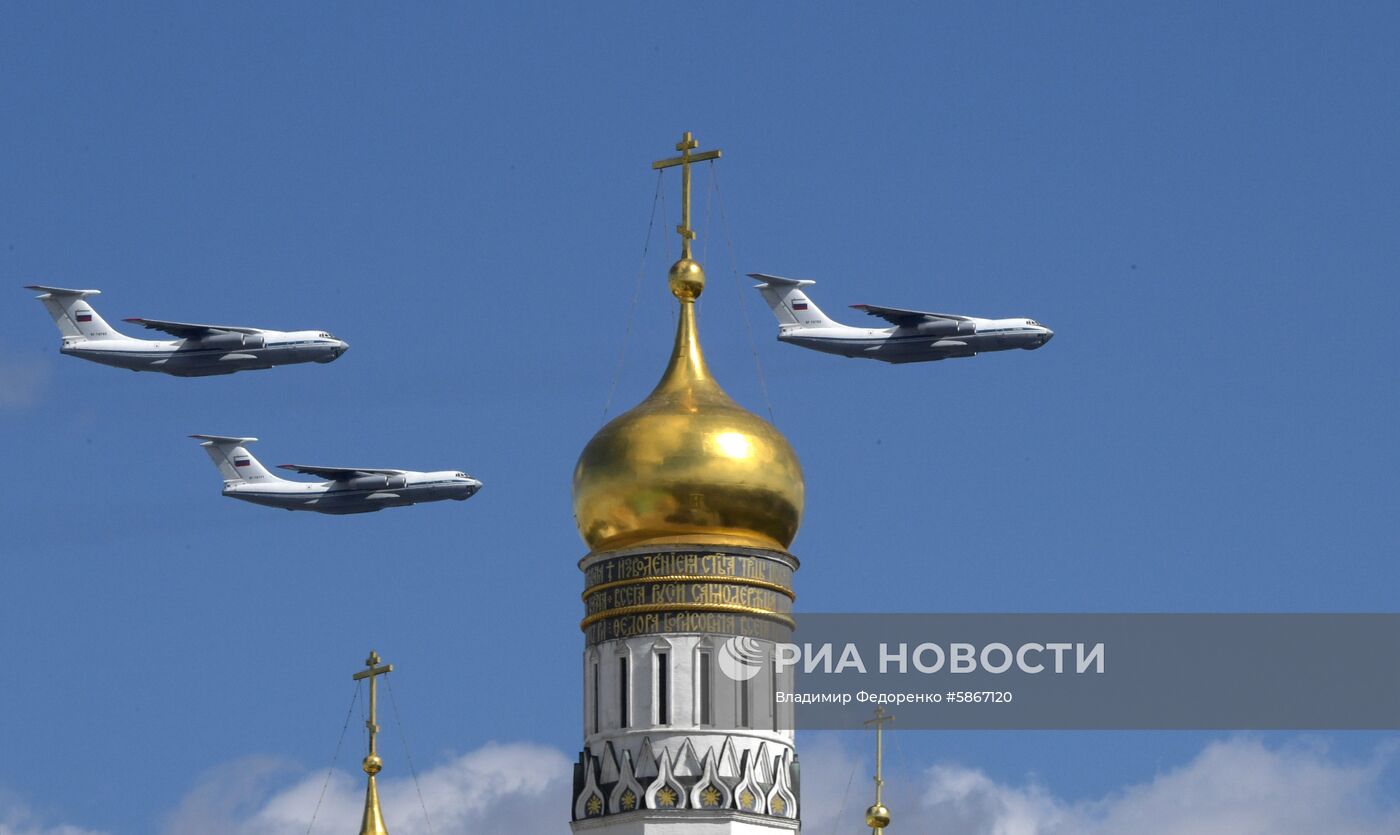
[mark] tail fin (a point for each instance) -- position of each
(75, 318)
(236, 464)
(787, 301)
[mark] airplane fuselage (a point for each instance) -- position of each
(363, 494)
(221, 353)
(919, 343)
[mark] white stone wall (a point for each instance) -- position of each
(753, 758)
(683, 656)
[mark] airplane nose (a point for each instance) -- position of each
(344, 346)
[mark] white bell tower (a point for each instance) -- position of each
(688, 504)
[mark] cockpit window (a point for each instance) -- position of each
(325, 335)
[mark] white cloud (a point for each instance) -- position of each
(16, 818)
(494, 790)
(22, 384)
(835, 785)
(1233, 787)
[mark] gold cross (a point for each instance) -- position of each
(879, 722)
(371, 671)
(685, 146)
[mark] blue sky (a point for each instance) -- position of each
(1199, 199)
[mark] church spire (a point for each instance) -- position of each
(373, 823)
(877, 817)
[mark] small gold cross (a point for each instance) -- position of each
(371, 671)
(687, 144)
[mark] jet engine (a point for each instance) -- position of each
(232, 341)
(945, 327)
(376, 482)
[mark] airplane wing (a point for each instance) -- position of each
(338, 473)
(901, 317)
(186, 330)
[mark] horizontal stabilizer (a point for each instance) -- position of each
(62, 291)
(236, 464)
(189, 330)
(77, 321)
(779, 281)
(789, 303)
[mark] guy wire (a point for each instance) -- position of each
(658, 196)
(739, 290)
(329, 771)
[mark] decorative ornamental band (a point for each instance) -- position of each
(728, 608)
(689, 578)
(613, 626)
(751, 565)
(653, 591)
(675, 595)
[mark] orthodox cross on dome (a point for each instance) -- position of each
(877, 817)
(371, 671)
(685, 146)
(373, 822)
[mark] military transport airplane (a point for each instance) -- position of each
(348, 489)
(196, 350)
(915, 337)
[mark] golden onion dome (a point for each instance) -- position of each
(687, 464)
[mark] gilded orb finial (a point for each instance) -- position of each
(877, 817)
(687, 280)
(688, 464)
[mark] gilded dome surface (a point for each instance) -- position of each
(687, 464)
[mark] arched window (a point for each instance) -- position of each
(704, 685)
(624, 692)
(661, 681)
(593, 688)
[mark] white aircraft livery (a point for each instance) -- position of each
(347, 490)
(916, 336)
(196, 350)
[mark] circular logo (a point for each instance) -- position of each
(741, 658)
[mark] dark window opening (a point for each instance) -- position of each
(744, 703)
(773, 673)
(663, 689)
(623, 692)
(704, 688)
